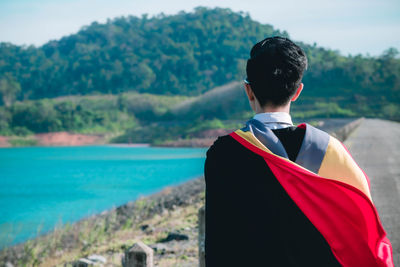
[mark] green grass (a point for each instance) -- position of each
(104, 235)
(21, 141)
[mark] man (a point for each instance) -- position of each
(280, 195)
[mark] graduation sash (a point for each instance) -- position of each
(329, 188)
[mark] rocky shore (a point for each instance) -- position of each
(166, 221)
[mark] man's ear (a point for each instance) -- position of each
(298, 91)
(249, 92)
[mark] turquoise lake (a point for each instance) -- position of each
(45, 187)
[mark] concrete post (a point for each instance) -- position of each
(202, 235)
(139, 255)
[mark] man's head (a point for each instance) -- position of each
(274, 71)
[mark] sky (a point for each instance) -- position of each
(365, 27)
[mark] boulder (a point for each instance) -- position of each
(175, 236)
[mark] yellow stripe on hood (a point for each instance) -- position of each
(337, 163)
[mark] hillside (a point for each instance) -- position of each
(187, 53)
(147, 118)
(156, 79)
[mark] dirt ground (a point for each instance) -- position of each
(67, 139)
(58, 139)
(4, 141)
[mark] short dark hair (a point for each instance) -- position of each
(275, 69)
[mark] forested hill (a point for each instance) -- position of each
(152, 79)
(185, 54)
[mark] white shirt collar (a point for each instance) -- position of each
(274, 120)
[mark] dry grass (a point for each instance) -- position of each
(111, 233)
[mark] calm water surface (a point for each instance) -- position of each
(41, 187)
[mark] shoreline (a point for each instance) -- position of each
(110, 232)
(64, 138)
(129, 145)
(136, 220)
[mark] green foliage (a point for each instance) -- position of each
(153, 133)
(22, 141)
(9, 89)
(30, 252)
(391, 111)
(37, 116)
(201, 125)
(325, 110)
(148, 107)
(205, 125)
(83, 115)
(159, 132)
(21, 131)
(187, 53)
(151, 79)
(5, 118)
(225, 102)
(333, 75)
(183, 54)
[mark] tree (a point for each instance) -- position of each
(9, 89)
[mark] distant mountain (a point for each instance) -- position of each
(186, 54)
(165, 77)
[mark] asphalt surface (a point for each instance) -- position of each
(375, 146)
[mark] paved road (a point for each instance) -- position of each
(375, 145)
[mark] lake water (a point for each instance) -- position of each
(42, 187)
